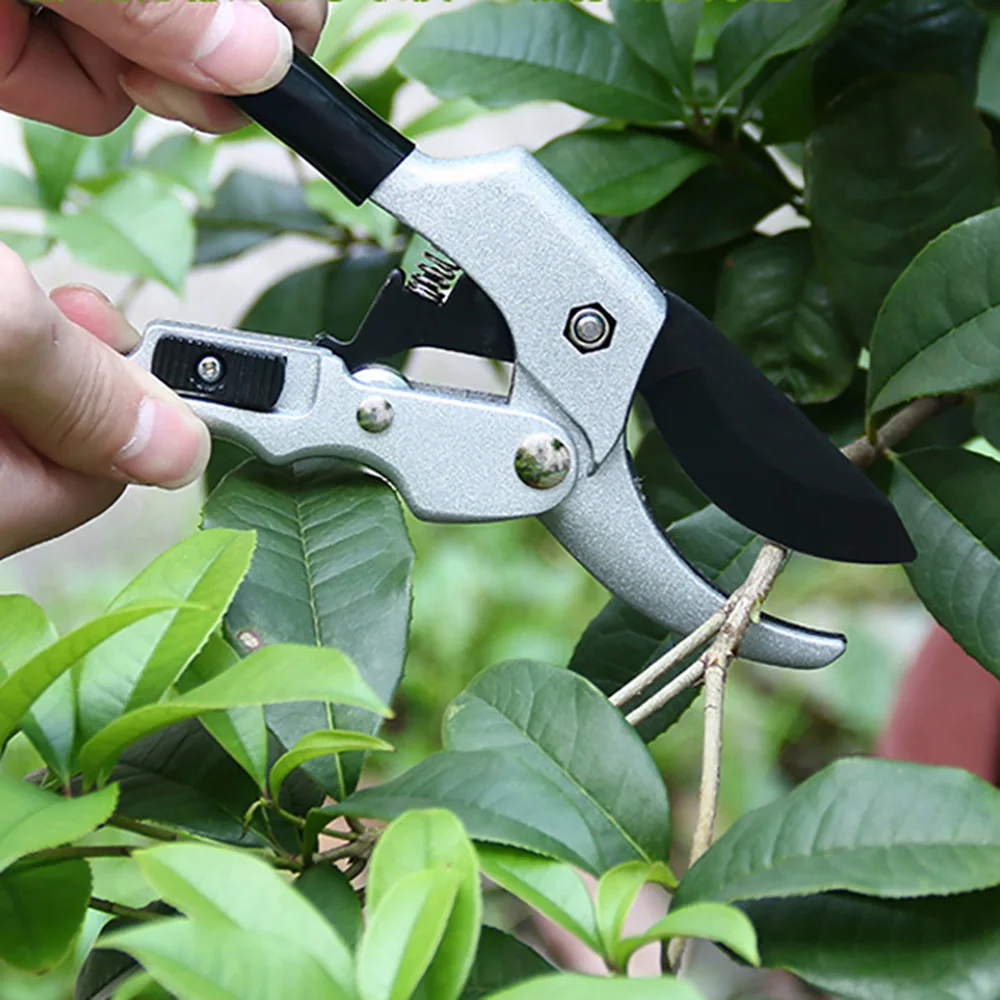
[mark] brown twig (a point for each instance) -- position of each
(118, 910)
(740, 610)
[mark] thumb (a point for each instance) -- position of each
(222, 46)
(77, 402)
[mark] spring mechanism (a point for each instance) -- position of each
(434, 277)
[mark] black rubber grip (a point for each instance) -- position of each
(249, 380)
(329, 127)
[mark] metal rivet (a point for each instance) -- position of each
(589, 328)
(380, 377)
(375, 414)
(542, 461)
(209, 369)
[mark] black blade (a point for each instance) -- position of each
(399, 319)
(755, 455)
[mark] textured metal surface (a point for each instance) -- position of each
(538, 254)
(605, 524)
(451, 455)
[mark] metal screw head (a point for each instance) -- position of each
(380, 377)
(589, 327)
(209, 369)
(542, 461)
(375, 414)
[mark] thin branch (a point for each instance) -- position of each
(674, 655)
(54, 855)
(144, 829)
(864, 452)
(681, 682)
(118, 910)
(127, 298)
(741, 609)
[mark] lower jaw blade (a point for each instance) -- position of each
(757, 457)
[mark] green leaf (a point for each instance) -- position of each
(324, 537)
(616, 894)
(663, 35)
(214, 885)
(109, 154)
(939, 329)
(709, 921)
(500, 797)
(378, 92)
(33, 820)
(182, 778)
(26, 685)
(332, 297)
(886, 949)
(54, 153)
(669, 492)
(988, 84)
(17, 190)
(241, 732)
(326, 887)
(365, 220)
(554, 888)
(351, 49)
(216, 961)
(184, 159)
(893, 164)
(986, 419)
(404, 932)
(570, 986)
(41, 911)
(501, 961)
(444, 115)
(250, 209)
(137, 227)
(877, 827)
(322, 743)
(904, 36)
(138, 666)
(281, 673)
(785, 97)
(760, 31)
(621, 173)
(434, 840)
(721, 549)
(713, 207)
(613, 781)
(501, 55)
(28, 246)
(25, 630)
(946, 498)
(775, 307)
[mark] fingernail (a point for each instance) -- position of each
(115, 330)
(169, 447)
(167, 99)
(245, 49)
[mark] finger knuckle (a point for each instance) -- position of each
(90, 418)
(148, 19)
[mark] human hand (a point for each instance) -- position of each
(78, 421)
(82, 64)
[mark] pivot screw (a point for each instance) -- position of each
(589, 327)
(375, 414)
(209, 369)
(542, 461)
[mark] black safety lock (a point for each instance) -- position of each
(250, 380)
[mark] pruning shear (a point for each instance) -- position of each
(517, 270)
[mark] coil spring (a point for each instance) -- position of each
(434, 277)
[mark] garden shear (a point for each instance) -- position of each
(515, 269)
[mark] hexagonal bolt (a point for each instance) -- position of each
(589, 327)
